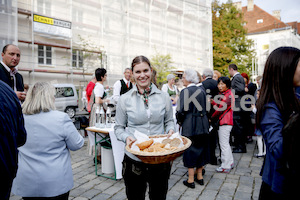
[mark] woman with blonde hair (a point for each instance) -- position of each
(216, 75)
(45, 169)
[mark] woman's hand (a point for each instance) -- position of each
(130, 140)
(170, 133)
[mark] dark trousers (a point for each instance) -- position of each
(137, 174)
(238, 130)
(64, 196)
(213, 140)
(5, 188)
(267, 194)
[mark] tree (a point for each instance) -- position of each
(162, 64)
(93, 55)
(230, 44)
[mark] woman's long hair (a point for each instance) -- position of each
(277, 84)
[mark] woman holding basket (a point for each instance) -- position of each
(148, 110)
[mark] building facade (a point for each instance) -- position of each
(268, 33)
(64, 41)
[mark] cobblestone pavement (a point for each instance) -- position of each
(242, 183)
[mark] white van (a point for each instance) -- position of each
(66, 98)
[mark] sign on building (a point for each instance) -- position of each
(51, 26)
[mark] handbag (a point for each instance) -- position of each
(215, 125)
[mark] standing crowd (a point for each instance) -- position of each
(211, 110)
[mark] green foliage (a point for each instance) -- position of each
(230, 44)
(162, 64)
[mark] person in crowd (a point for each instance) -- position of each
(238, 88)
(216, 75)
(99, 94)
(194, 125)
(211, 88)
(250, 89)
(223, 115)
(170, 88)
(122, 86)
(13, 135)
(210, 85)
(259, 138)
(89, 91)
(44, 161)
(276, 106)
(8, 70)
(258, 79)
(97, 99)
(148, 110)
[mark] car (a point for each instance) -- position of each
(66, 98)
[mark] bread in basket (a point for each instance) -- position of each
(160, 157)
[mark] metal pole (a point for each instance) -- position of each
(71, 43)
(32, 43)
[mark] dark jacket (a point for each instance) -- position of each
(193, 120)
(211, 88)
(238, 88)
(5, 77)
(12, 134)
(212, 85)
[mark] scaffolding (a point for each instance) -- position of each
(108, 34)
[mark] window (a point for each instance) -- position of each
(77, 59)
(44, 55)
(259, 21)
(44, 7)
(77, 15)
(64, 92)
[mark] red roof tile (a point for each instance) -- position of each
(268, 21)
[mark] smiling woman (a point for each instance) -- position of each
(142, 72)
(148, 110)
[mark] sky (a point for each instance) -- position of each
(290, 9)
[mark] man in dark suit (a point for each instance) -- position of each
(12, 136)
(8, 71)
(211, 88)
(238, 89)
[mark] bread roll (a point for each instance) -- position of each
(144, 145)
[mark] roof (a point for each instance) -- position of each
(259, 20)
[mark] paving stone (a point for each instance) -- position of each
(228, 189)
(214, 184)
(220, 176)
(90, 193)
(101, 196)
(242, 183)
(208, 195)
(120, 195)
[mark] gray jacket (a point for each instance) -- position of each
(132, 112)
(238, 88)
(44, 161)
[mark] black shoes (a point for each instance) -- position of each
(190, 185)
(201, 181)
(239, 150)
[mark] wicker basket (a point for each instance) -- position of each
(160, 157)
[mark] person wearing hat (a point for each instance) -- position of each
(170, 88)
